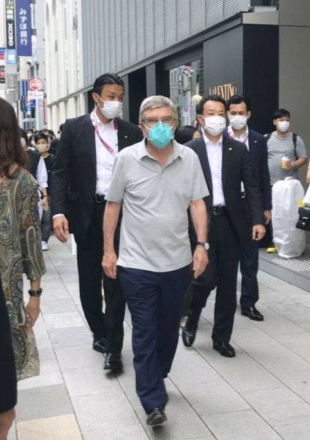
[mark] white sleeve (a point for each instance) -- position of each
(41, 174)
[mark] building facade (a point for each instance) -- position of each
(183, 49)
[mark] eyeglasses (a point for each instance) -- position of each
(150, 122)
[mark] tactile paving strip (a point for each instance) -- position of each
(297, 265)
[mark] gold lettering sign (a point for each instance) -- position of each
(226, 91)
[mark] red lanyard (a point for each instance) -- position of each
(104, 143)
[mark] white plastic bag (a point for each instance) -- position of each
(306, 200)
(289, 241)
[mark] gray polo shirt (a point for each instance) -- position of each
(279, 147)
(154, 230)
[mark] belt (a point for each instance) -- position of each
(99, 198)
(219, 210)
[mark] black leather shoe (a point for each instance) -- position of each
(156, 417)
(224, 348)
(190, 329)
(188, 337)
(252, 313)
(99, 344)
(113, 362)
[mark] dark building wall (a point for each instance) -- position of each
(223, 61)
(261, 73)
(245, 60)
(136, 93)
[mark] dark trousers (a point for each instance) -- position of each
(221, 272)
(249, 269)
(155, 303)
(46, 222)
(91, 278)
(8, 382)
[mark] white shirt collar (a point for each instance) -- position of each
(242, 138)
(99, 123)
(209, 143)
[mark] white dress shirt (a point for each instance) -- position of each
(41, 174)
(244, 138)
(215, 156)
(105, 159)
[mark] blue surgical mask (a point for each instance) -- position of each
(160, 135)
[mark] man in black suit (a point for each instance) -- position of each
(239, 113)
(225, 164)
(81, 177)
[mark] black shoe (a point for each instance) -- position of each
(252, 313)
(99, 344)
(190, 329)
(224, 348)
(156, 417)
(188, 337)
(166, 399)
(113, 362)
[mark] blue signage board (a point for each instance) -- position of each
(23, 28)
(11, 57)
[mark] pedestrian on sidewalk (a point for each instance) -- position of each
(43, 146)
(239, 112)
(155, 182)
(81, 178)
(226, 165)
(286, 154)
(20, 243)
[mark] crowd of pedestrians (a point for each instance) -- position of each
(168, 218)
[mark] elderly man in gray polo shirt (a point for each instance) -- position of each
(155, 182)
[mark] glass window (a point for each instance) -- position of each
(186, 84)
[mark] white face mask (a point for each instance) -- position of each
(110, 109)
(42, 148)
(238, 122)
(283, 126)
(215, 125)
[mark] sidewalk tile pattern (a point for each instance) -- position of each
(261, 394)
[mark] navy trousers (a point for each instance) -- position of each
(155, 303)
(249, 269)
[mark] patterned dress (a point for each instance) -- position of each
(20, 252)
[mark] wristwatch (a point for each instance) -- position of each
(204, 244)
(35, 292)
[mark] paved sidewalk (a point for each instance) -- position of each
(262, 394)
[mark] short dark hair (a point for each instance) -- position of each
(185, 134)
(107, 78)
(218, 98)
(239, 99)
(10, 139)
(281, 113)
(41, 135)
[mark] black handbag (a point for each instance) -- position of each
(304, 218)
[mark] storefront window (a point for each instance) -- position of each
(186, 89)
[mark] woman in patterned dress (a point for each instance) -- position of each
(20, 244)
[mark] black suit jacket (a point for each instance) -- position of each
(259, 161)
(74, 170)
(236, 168)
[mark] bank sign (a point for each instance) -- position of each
(23, 28)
